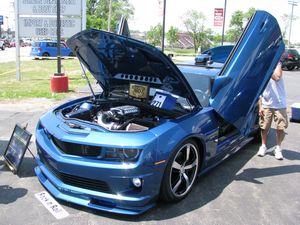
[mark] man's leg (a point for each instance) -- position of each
(265, 121)
(280, 118)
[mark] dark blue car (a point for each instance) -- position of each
(49, 49)
(156, 126)
(217, 54)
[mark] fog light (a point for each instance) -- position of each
(137, 182)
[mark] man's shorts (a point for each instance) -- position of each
(280, 119)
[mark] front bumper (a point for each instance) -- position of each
(92, 199)
(97, 184)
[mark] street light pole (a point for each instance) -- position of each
(293, 3)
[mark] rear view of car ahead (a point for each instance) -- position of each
(217, 54)
(49, 49)
(291, 59)
(156, 126)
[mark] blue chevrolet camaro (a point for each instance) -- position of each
(156, 126)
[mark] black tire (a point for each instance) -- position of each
(45, 54)
(290, 67)
(181, 172)
(3, 47)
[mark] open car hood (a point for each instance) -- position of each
(247, 71)
(114, 59)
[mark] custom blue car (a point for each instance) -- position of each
(156, 126)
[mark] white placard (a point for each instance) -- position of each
(48, 7)
(46, 27)
(158, 100)
(53, 207)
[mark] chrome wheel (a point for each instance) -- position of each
(184, 169)
(181, 172)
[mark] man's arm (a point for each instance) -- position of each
(277, 72)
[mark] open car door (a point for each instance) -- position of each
(247, 71)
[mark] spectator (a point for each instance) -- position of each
(272, 106)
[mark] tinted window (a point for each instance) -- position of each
(293, 51)
(36, 44)
(51, 44)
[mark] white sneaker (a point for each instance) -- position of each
(278, 153)
(262, 151)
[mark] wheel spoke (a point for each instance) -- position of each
(187, 181)
(176, 165)
(188, 150)
(175, 188)
(190, 166)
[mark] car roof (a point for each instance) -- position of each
(201, 70)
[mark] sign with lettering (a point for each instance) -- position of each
(218, 17)
(16, 147)
(53, 206)
(46, 27)
(48, 7)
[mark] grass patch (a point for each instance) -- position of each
(36, 74)
(35, 78)
(180, 52)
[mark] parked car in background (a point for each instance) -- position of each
(156, 126)
(2, 45)
(291, 59)
(49, 49)
(216, 54)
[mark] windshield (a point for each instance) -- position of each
(201, 85)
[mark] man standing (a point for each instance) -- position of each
(272, 105)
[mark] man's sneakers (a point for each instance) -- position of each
(278, 153)
(262, 151)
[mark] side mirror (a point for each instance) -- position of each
(218, 84)
(170, 55)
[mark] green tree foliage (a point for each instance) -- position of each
(172, 36)
(237, 24)
(194, 22)
(97, 12)
(154, 35)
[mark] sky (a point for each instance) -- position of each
(149, 13)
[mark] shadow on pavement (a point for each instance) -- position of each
(9, 194)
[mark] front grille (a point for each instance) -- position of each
(81, 182)
(77, 149)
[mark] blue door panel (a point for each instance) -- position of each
(244, 76)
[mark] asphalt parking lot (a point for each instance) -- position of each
(245, 189)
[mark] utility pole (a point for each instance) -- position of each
(163, 28)
(293, 3)
(109, 16)
(224, 16)
(58, 40)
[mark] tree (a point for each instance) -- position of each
(194, 23)
(237, 23)
(98, 11)
(154, 35)
(172, 36)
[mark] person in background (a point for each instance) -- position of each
(272, 106)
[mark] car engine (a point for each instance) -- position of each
(113, 116)
(117, 118)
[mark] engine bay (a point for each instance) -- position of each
(131, 116)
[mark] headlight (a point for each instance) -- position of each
(121, 154)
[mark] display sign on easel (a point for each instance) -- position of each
(17, 147)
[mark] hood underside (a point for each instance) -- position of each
(114, 59)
